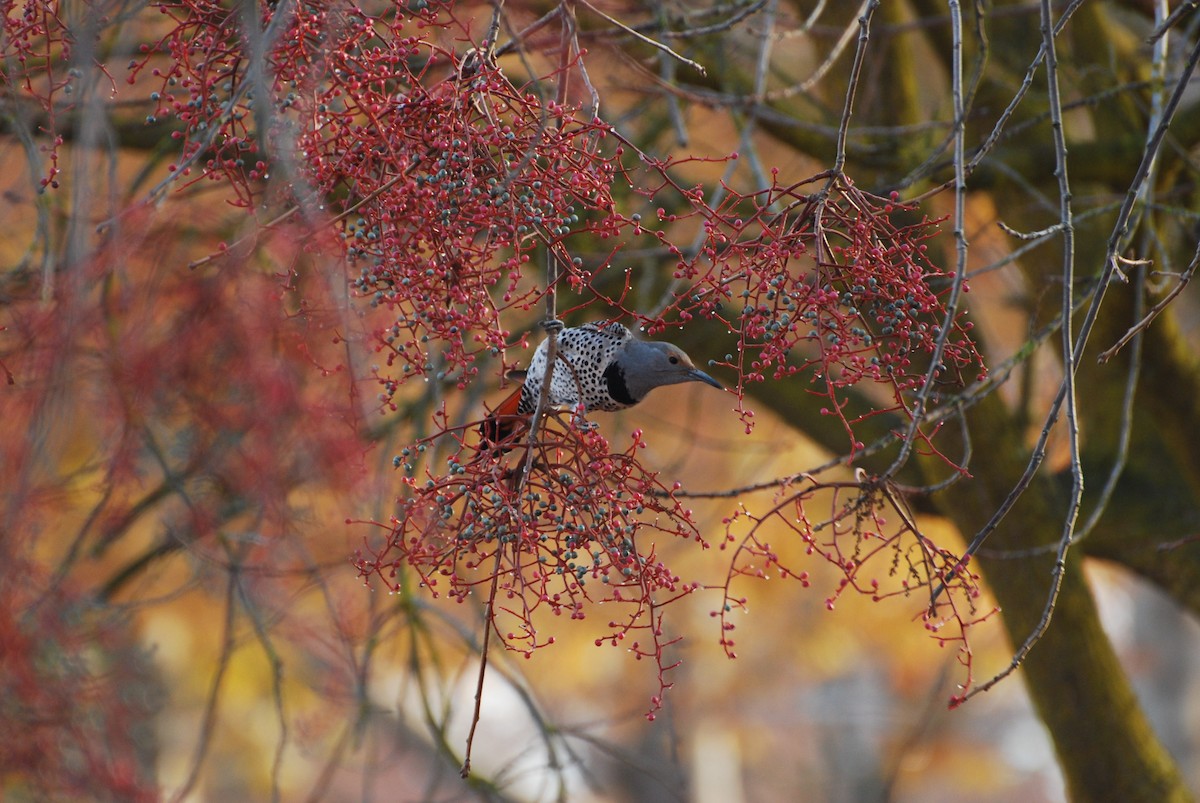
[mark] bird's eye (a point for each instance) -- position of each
(674, 360)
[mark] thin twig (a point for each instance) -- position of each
(643, 38)
(489, 623)
(1161, 29)
(821, 70)
(1070, 361)
(1145, 322)
(293, 210)
(866, 12)
(212, 704)
(690, 32)
(917, 414)
(1126, 432)
(263, 634)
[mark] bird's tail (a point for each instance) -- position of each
(499, 428)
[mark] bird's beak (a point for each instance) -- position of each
(699, 376)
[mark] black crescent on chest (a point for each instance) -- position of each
(614, 380)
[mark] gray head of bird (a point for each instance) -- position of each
(646, 365)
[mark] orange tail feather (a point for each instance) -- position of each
(505, 420)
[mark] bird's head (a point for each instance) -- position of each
(648, 365)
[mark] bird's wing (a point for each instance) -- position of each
(611, 330)
(606, 338)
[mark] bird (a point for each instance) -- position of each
(599, 366)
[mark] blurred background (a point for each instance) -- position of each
(192, 447)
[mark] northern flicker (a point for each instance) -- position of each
(602, 367)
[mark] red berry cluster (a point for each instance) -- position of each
(442, 177)
(36, 49)
(822, 278)
(550, 527)
(874, 545)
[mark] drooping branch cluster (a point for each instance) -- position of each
(548, 528)
(442, 177)
(35, 54)
(871, 540)
(821, 278)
